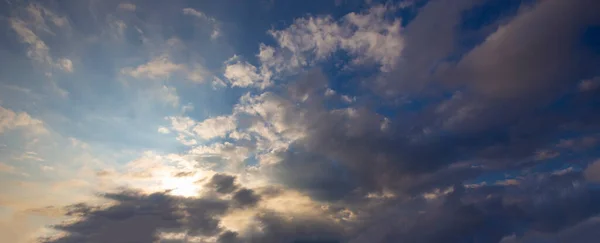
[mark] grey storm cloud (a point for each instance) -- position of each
(223, 183)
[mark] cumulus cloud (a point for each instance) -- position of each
(243, 74)
(215, 127)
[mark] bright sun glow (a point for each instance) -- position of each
(183, 186)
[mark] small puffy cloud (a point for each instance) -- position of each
(347, 99)
(10, 119)
(163, 130)
(242, 74)
(215, 127)
(127, 6)
(65, 64)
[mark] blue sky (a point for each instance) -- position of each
(294, 121)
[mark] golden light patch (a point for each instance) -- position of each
(181, 186)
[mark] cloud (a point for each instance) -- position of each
(10, 119)
(367, 36)
(548, 68)
(65, 64)
(157, 68)
(163, 130)
(195, 13)
(592, 172)
(243, 74)
(589, 84)
(167, 95)
(223, 183)
(127, 7)
(38, 50)
(216, 31)
(162, 68)
(218, 126)
(403, 133)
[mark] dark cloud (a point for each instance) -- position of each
(275, 228)
(133, 218)
(184, 174)
(245, 197)
(223, 183)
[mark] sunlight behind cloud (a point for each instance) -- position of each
(181, 186)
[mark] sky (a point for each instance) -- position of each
(346, 121)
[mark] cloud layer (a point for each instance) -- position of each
(410, 121)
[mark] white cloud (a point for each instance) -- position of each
(215, 34)
(127, 6)
(11, 120)
(329, 92)
(195, 13)
(38, 50)
(276, 121)
(163, 130)
(65, 64)
(30, 155)
(181, 123)
(243, 74)
(368, 37)
(215, 127)
(348, 99)
(218, 83)
(160, 67)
